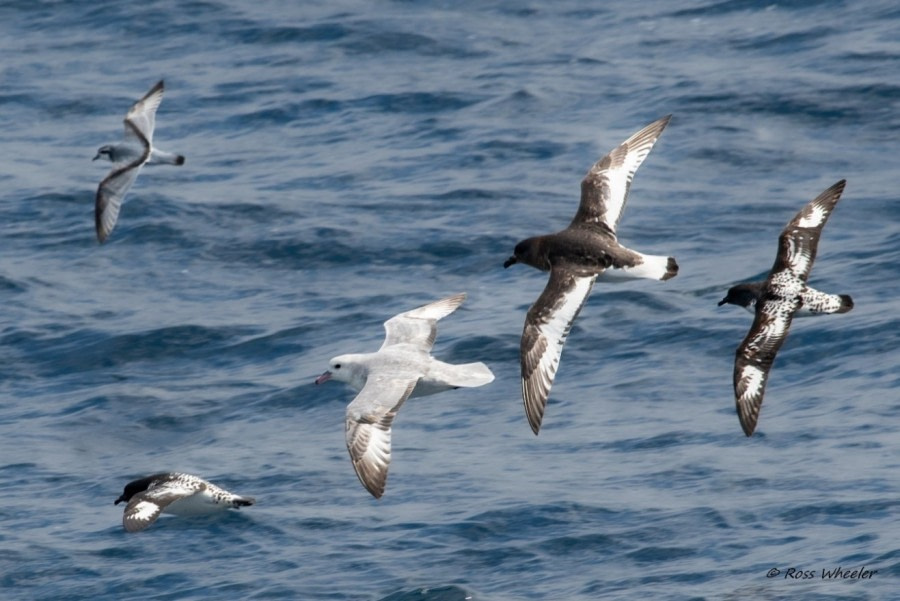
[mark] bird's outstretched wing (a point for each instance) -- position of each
(143, 508)
(418, 327)
(368, 428)
(547, 325)
(604, 189)
(799, 241)
(141, 118)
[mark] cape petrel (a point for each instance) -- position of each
(176, 494)
(128, 157)
(402, 368)
(575, 257)
(813, 302)
(775, 302)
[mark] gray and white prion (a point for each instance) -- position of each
(127, 157)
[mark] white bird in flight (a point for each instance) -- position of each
(402, 368)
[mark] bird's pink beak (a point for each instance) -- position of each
(323, 378)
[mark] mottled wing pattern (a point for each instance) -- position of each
(546, 327)
(418, 327)
(368, 428)
(799, 240)
(604, 189)
(140, 513)
(142, 116)
(755, 355)
(143, 508)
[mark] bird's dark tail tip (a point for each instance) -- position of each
(179, 160)
(671, 269)
(846, 303)
(244, 501)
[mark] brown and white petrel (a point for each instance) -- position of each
(775, 302)
(575, 257)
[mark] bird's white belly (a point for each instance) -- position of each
(199, 504)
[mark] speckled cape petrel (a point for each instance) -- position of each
(176, 494)
(402, 368)
(128, 157)
(775, 302)
(575, 257)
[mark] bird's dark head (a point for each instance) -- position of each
(136, 486)
(104, 152)
(743, 295)
(528, 251)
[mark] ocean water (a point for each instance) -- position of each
(347, 161)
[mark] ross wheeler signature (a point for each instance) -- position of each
(838, 573)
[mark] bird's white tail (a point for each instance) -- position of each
(817, 303)
(652, 267)
(161, 157)
(469, 375)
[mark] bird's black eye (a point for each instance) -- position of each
(337, 365)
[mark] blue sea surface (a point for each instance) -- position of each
(347, 161)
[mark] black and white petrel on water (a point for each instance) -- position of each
(575, 257)
(176, 494)
(776, 301)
